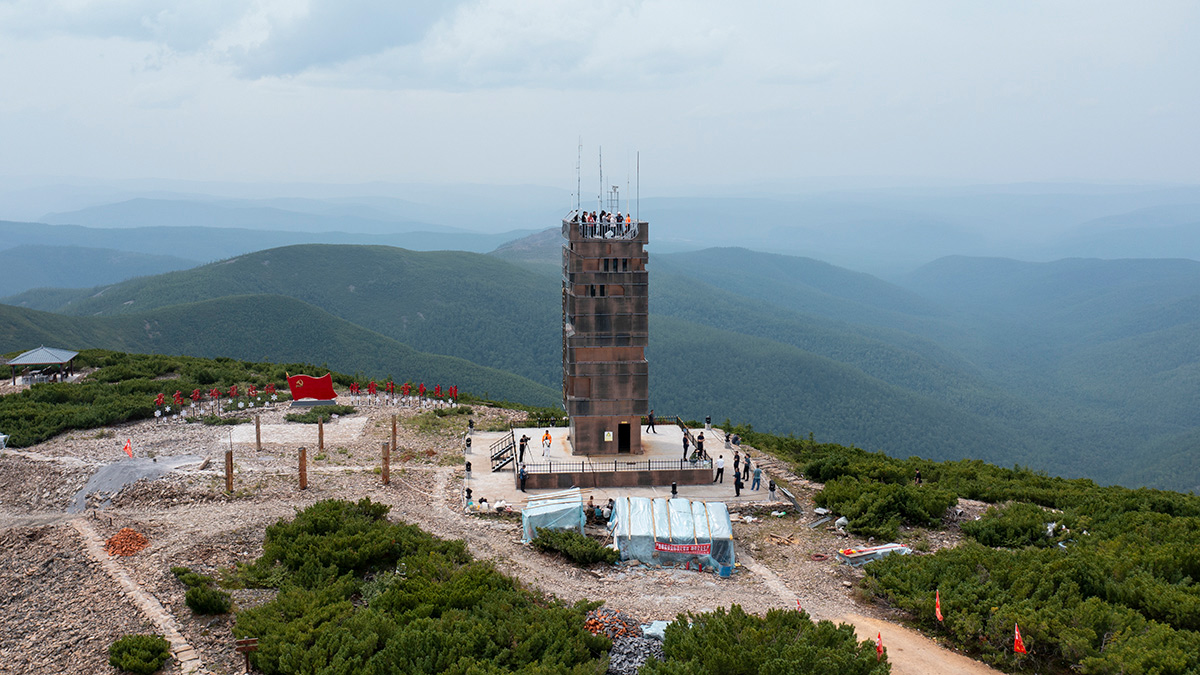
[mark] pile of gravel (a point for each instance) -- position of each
(628, 654)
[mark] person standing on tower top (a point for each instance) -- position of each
(650, 426)
(546, 440)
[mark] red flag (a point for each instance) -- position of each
(798, 607)
(878, 646)
(319, 388)
(129, 447)
(937, 604)
(1018, 643)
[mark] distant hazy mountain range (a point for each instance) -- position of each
(1078, 367)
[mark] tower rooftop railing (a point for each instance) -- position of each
(608, 229)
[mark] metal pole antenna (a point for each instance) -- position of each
(639, 187)
(600, 195)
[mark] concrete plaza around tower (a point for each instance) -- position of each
(666, 444)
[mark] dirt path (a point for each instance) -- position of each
(911, 653)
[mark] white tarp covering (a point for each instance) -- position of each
(673, 532)
(556, 511)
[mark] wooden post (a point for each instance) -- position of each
(257, 433)
(393, 433)
(303, 469)
(229, 471)
(320, 434)
(387, 461)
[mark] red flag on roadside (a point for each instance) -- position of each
(878, 646)
(305, 386)
(798, 607)
(1018, 643)
(129, 447)
(937, 604)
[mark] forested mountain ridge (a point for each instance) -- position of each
(794, 345)
(250, 327)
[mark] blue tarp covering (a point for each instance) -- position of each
(637, 523)
(557, 511)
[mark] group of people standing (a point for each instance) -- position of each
(741, 473)
(593, 224)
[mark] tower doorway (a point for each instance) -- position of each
(623, 438)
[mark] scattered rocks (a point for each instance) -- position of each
(629, 653)
(61, 611)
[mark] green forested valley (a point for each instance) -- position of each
(1079, 368)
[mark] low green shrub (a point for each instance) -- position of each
(877, 509)
(189, 578)
(204, 599)
(142, 654)
(580, 548)
(360, 594)
(783, 641)
(322, 412)
(1016, 525)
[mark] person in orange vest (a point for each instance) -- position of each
(546, 444)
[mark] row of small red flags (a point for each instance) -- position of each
(1018, 643)
(405, 389)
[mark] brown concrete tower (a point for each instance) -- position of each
(605, 331)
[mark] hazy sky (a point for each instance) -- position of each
(500, 91)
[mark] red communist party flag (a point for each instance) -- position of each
(937, 605)
(878, 646)
(1018, 643)
(305, 386)
(129, 447)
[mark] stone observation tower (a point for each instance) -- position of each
(605, 307)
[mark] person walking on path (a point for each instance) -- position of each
(546, 444)
(757, 479)
(737, 462)
(686, 441)
(720, 466)
(746, 468)
(650, 419)
(522, 474)
(771, 490)
(737, 484)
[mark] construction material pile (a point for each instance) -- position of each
(629, 654)
(126, 542)
(612, 623)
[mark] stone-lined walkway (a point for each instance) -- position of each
(189, 658)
